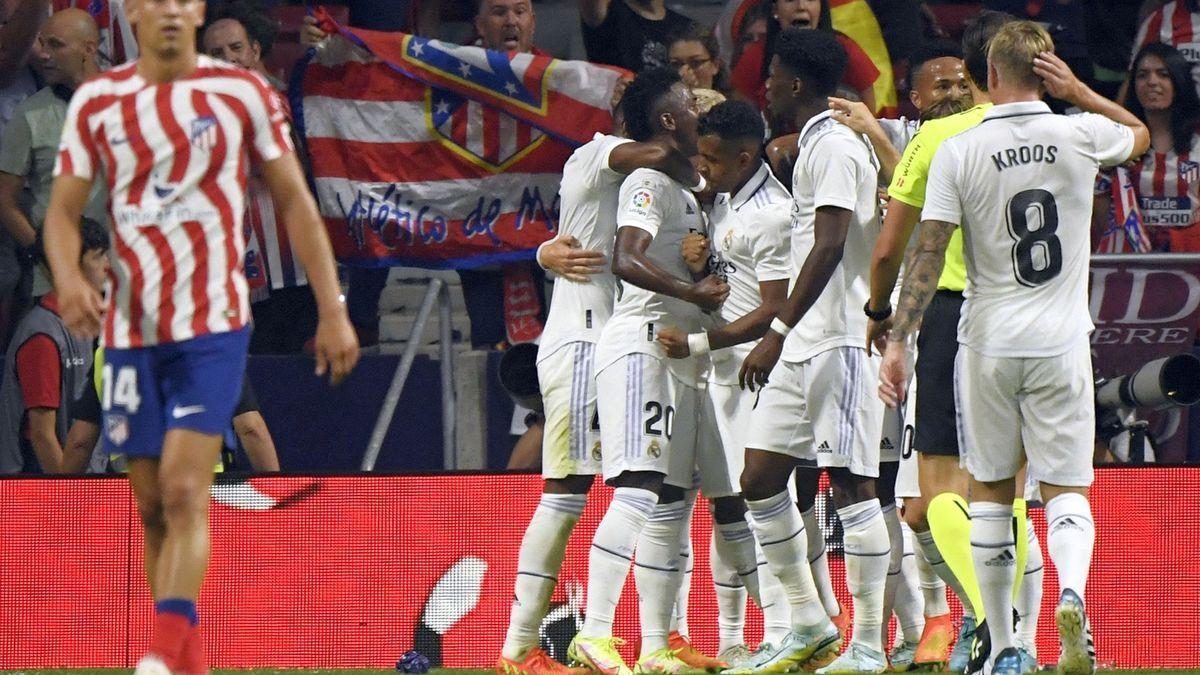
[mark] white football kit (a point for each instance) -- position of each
(571, 442)
(749, 244)
(1020, 186)
(820, 406)
(647, 402)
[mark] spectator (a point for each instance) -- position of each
(750, 73)
(70, 43)
(118, 44)
(697, 57)
(242, 34)
(45, 371)
(1167, 178)
(631, 34)
(1177, 23)
(506, 25)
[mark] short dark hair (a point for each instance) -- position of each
(938, 49)
(93, 234)
(642, 98)
(734, 121)
(976, 37)
(259, 25)
(815, 56)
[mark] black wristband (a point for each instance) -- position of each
(879, 315)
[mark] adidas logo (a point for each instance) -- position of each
(886, 444)
(824, 447)
(1066, 523)
(1003, 559)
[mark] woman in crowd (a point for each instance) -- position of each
(1166, 179)
(750, 72)
(697, 57)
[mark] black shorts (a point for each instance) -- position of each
(937, 344)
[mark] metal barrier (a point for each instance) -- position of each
(438, 292)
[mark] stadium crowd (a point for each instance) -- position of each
(49, 47)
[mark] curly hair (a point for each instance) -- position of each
(815, 56)
(734, 120)
(642, 99)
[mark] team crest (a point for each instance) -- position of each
(654, 450)
(596, 452)
(727, 242)
(1189, 171)
(203, 134)
(116, 427)
(483, 135)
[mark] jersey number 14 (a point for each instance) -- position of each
(1036, 253)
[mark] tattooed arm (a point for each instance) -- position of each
(919, 286)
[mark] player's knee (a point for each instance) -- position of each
(916, 514)
(670, 494)
(847, 488)
(759, 483)
(571, 485)
(151, 515)
(184, 496)
(728, 510)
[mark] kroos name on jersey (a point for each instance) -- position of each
(1025, 154)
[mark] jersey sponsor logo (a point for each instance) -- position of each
(203, 133)
(1167, 211)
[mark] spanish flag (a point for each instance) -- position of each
(855, 19)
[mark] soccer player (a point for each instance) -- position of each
(1019, 186)
(749, 224)
(818, 407)
(170, 133)
(647, 403)
(581, 305)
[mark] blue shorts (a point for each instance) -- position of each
(194, 384)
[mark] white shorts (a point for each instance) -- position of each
(824, 410)
(907, 484)
(720, 446)
(571, 441)
(1044, 405)
(647, 420)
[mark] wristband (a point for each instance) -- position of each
(698, 344)
(877, 315)
(780, 327)
(699, 187)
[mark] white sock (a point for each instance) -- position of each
(538, 563)
(780, 532)
(731, 592)
(867, 549)
(995, 555)
(933, 589)
(934, 557)
(891, 520)
(735, 544)
(611, 554)
(777, 612)
(818, 562)
(1072, 536)
(679, 620)
(1029, 598)
(657, 573)
(910, 606)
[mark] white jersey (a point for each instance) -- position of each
(1020, 185)
(899, 132)
(749, 245)
(835, 167)
(588, 212)
(652, 201)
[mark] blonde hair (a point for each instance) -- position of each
(706, 99)
(1013, 49)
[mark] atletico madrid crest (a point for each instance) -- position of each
(204, 132)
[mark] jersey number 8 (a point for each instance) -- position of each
(1037, 254)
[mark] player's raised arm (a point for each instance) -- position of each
(1061, 83)
(336, 345)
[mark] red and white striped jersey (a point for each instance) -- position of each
(175, 157)
(1168, 190)
(1174, 24)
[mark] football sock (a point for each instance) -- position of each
(1029, 598)
(679, 620)
(950, 523)
(891, 519)
(994, 553)
(910, 606)
(867, 549)
(1072, 536)
(933, 589)
(777, 611)
(656, 570)
(734, 544)
(731, 593)
(780, 532)
(818, 562)
(611, 554)
(538, 563)
(933, 557)
(174, 620)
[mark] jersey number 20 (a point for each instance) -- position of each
(1037, 254)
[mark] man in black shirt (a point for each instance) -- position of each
(632, 34)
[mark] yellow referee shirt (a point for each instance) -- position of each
(908, 184)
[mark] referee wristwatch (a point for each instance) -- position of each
(877, 314)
